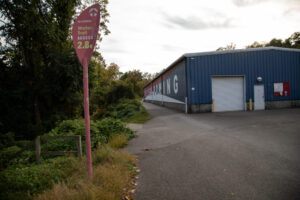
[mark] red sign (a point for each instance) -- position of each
(282, 89)
(85, 31)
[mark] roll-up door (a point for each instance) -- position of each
(228, 93)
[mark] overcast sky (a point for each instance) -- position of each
(150, 34)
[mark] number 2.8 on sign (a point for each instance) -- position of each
(86, 45)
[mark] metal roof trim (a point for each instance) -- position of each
(238, 51)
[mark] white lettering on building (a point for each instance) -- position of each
(175, 83)
(168, 86)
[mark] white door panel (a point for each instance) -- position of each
(259, 97)
(228, 93)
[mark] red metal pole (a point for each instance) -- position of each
(87, 119)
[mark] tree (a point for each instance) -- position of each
(113, 71)
(292, 42)
(275, 43)
(256, 45)
(133, 78)
(147, 76)
(41, 78)
(119, 90)
(230, 46)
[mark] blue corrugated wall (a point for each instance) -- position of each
(179, 71)
(272, 65)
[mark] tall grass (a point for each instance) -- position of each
(112, 174)
(118, 141)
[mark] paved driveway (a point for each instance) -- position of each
(212, 156)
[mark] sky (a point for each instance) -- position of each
(149, 35)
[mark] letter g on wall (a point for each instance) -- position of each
(175, 83)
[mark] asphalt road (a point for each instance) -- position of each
(233, 155)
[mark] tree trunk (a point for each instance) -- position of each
(37, 111)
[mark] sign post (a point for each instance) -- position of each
(84, 33)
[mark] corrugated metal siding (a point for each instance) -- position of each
(148, 90)
(166, 87)
(179, 72)
(157, 85)
(272, 65)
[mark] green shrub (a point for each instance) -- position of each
(21, 179)
(7, 154)
(24, 158)
(124, 109)
(27, 144)
(22, 182)
(99, 113)
(22, 152)
(7, 140)
(100, 133)
(69, 128)
(118, 91)
(127, 108)
(110, 126)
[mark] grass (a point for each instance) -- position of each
(113, 171)
(118, 141)
(66, 177)
(139, 117)
(22, 178)
(22, 182)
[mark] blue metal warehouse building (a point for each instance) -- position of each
(258, 78)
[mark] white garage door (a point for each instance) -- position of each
(228, 93)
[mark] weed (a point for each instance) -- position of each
(112, 173)
(118, 141)
(20, 178)
(20, 182)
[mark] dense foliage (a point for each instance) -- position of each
(20, 175)
(41, 92)
(22, 182)
(38, 66)
(292, 42)
(123, 110)
(40, 76)
(101, 131)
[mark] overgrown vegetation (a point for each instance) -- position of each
(22, 181)
(113, 171)
(40, 76)
(118, 141)
(66, 177)
(100, 132)
(41, 94)
(22, 178)
(128, 110)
